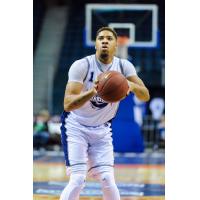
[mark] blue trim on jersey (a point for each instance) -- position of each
(64, 137)
(99, 65)
(121, 66)
(87, 69)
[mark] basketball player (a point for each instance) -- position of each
(86, 130)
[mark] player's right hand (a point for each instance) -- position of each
(96, 84)
(130, 84)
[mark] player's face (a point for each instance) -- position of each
(106, 44)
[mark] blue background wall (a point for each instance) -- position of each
(127, 135)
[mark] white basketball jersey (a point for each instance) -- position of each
(96, 111)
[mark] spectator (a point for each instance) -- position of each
(54, 124)
(157, 106)
(161, 128)
(40, 130)
(139, 110)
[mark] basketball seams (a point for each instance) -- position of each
(112, 86)
(105, 82)
(120, 85)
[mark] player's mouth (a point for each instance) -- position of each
(104, 47)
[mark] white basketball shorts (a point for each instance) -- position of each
(87, 149)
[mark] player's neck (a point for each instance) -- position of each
(106, 60)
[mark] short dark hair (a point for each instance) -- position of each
(105, 28)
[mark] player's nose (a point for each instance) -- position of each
(105, 41)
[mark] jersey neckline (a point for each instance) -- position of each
(99, 65)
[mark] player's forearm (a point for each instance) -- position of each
(72, 102)
(140, 91)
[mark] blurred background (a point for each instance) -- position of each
(61, 35)
(64, 31)
(59, 38)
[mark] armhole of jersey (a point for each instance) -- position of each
(87, 69)
(121, 67)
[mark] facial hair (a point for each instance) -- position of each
(104, 56)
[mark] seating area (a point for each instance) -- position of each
(73, 48)
(38, 16)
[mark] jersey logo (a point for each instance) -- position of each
(97, 102)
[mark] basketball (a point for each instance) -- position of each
(112, 86)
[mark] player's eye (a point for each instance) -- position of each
(100, 38)
(110, 38)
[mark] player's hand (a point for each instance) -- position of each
(130, 85)
(96, 81)
(99, 77)
(96, 85)
(129, 89)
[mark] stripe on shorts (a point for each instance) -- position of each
(99, 166)
(79, 164)
(64, 137)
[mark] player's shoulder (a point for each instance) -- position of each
(81, 65)
(127, 68)
(123, 61)
(90, 57)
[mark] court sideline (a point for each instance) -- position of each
(138, 177)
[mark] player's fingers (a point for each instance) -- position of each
(95, 89)
(131, 86)
(129, 90)
(96, 81)
(96, 86)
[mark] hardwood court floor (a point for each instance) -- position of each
(140, 176)
(45, 197)
(153, 174)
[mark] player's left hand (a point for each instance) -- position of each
(130, 84)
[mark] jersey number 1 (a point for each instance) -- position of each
(91, 76)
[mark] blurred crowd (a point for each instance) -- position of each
(46, 128)
(46, 131)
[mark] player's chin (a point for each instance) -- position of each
(104, 54)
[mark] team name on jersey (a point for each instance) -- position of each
(97, 102)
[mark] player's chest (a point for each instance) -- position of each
(94, 72)
(91, 77)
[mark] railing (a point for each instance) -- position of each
(152, 135)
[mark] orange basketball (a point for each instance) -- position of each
(112, 86)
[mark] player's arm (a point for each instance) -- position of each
(137, 86)
(74, 98)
